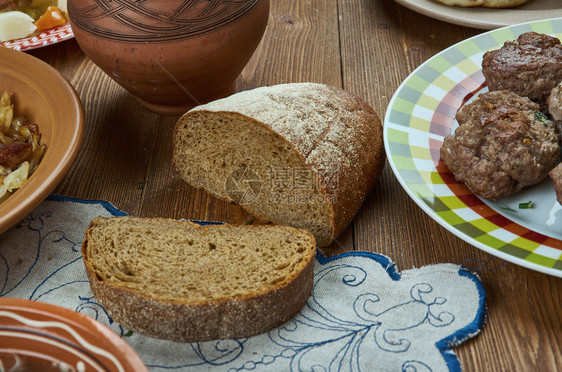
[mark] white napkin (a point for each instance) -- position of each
(364, 315)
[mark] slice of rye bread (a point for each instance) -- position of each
(180, 281)
(300, 154)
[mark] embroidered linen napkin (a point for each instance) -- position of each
(364, 314)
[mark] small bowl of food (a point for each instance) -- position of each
(29, 24)
(41, 130)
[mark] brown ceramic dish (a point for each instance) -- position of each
(171, 55)
(43, 96)
(36, 336)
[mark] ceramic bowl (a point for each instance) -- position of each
(171, 55)
(37, 336)
(46, 98)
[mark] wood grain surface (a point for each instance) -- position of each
(368, 47)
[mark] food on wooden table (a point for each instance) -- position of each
(554, 103)
(20, 148)
(15, 25)
(52, 18)
(181, 281)
(301, 154)
(529, 66)
(506, 141)
(20, 18)
(503, 144)
(556, 177)
(484, 3)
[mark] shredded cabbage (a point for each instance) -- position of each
(15, 179)
(17, 129)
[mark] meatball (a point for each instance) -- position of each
(503, 143)
(530, 67)
(556, 176)
(554, 102)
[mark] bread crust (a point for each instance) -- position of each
(359, 178)
(235, 317)
(357, 171)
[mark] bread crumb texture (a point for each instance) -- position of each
(318, 120)
(183, 262)
(304, 155)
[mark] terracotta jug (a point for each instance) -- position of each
(171, 55)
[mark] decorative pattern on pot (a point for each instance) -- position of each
(171, 55)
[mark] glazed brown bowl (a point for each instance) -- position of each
(38, 336)
(171, 55)
(46, 98)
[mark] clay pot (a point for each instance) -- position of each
(171, 55)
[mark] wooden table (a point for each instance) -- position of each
(368, 47)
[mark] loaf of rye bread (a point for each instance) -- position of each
(300, 154)
(180, 281)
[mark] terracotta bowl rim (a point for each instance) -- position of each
(36, 328)
(61, 127)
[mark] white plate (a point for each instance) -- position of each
(48, 37)
(419, 116)
(486, 18)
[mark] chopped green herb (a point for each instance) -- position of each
(128, 334)
(527, 205)
(540, 116)
(505, 207)
(516, 165)
(249, 222)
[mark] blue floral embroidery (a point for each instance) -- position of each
(364, 315)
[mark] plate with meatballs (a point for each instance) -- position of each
(474, 136)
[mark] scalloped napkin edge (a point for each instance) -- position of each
(363, 311)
